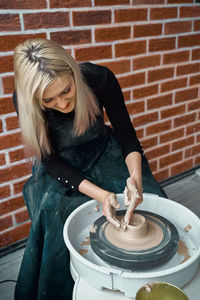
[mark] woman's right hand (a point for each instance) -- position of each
(107, 199)
(110, 203)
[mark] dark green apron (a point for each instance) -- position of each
(44, 273)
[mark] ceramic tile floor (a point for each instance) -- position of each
(185, 191)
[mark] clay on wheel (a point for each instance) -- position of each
(154, 245)
(141, 234)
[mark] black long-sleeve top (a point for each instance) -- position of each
(106, 88)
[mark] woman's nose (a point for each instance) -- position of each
(61, 101)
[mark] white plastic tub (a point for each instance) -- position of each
(93, 271)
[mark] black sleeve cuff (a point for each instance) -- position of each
(62, 171)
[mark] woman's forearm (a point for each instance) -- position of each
(95, 192)
(134, 164)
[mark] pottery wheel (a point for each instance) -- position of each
(153, 247)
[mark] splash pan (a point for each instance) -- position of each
(85, 264)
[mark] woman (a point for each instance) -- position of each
(60, 105)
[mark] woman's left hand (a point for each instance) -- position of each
(132, 197)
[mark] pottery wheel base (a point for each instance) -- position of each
(135, 255)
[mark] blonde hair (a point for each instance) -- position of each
(37, 62)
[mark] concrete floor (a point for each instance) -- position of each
(185, 191)
(9, 269)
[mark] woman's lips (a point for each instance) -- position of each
(61, 109)
(67, 105)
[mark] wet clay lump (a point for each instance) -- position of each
(141, 234)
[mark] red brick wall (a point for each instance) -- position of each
(153, 46)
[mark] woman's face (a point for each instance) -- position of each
(60, 94)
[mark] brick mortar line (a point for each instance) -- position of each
(64, 9)
(172, 118)
(113, 51)
(70, 19)
(148, 14)
(149, 149)
(107, 7)
(188, 80)
(73, 52)
(85, 46)
(145, 105)
(11, 189)
(14, 220)
(6, 53)
(7, 157)
(1, 87)
(183, 65)
(162, 108)
(178, 12)
(13, 149)
(171, 152)
(117, 59)
(121, 75)
(178, 162)
(6, 150)
(166, 168)
(3, 117)
(173, 98)
(163, 81)
(146, 78)
(102, 26)
(12, 114)
(48, 4)
(159, 87)
(48, 35)
(132, 31)
(11, 183)
(166, 143)
(3, 125)
(112, 16)
(97, 26)
(8, 73)
(18, 195)
(9, 163)
(12, 213)
(14, 163)
(190, 55)
(192, 29)
(158, 140)
(13, 227)
(5, 133)
(21, 21)
(162, 121)
(176, 40)
(92, 36)
(159, 114)
(172, 51)
(147, 54)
